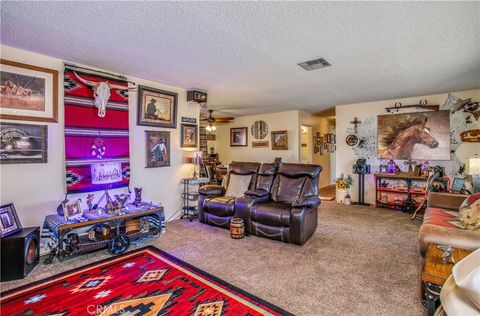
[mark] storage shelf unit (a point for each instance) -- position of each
(394, 198)
(190, 196)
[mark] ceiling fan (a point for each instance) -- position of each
(211, 121)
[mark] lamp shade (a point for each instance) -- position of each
(472, 166)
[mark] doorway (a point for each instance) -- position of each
(306, 149)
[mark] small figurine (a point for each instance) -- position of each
(447, 253)
(392, 166)
(425, 169)
(122, 199)
(138, 196)
(90, 201)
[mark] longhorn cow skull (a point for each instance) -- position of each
(101, 92)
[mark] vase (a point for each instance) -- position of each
(340, 195)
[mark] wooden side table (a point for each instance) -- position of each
(435, 273)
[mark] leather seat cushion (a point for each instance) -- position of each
(273, 214)
(220, 206)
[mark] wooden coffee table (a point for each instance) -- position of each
(435, 273)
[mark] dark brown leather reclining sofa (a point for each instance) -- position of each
(214, 208)
(279, 204)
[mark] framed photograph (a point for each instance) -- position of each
(23, 143)
(318, 134)
(333, 139)
(9, 222)
(322, 150)
(189, 135)
(72, 210)
(316, 149)
(279, 140)
(157, 107)
(333, 148)
(157, 149)
(239, 137)
(325, 146)
(28, 93)
(260, 144)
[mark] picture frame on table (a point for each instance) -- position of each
(279, 140)
(72, 210)
(189, 135)
(157, 107)
(29, 93)
(239, 137)
(157, 149)
(9, 221)
(23, 143)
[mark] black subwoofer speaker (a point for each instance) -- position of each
(20, 253)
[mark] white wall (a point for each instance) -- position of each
(276, 122)
(37, 189)
(345, 157)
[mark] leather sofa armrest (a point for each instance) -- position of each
(257, 193)
(445, 200)
(307, 201)
(211, 190)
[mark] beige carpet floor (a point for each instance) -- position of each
(361, 261)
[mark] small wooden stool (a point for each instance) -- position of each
(237, 228)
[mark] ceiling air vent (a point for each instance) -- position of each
(314, 64)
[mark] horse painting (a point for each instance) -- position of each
(422, 135)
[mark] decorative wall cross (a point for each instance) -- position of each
(410, 164)
(355, 122)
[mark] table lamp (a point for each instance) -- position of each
(472, 167)
(195, 158)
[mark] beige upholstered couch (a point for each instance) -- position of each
(441, 226)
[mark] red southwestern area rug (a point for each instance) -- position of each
(147, 281)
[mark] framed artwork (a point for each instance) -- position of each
(316, 149)
(325, 146)
(419, 135)
(318, 134)
(259, 129)
(157, 149)
(9, 222)
(157, 107)
(72, 210)
(322, 151)
(189, 135)
(333, 148)
(260, 144)
(28, 93)
(239, 137)
(279, 140)
(333, 139)
(23, 143)
(383, 168)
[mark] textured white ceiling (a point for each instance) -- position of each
(245, 54)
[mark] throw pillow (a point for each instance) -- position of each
(237, 185)
(470, 216)
(470, 200)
